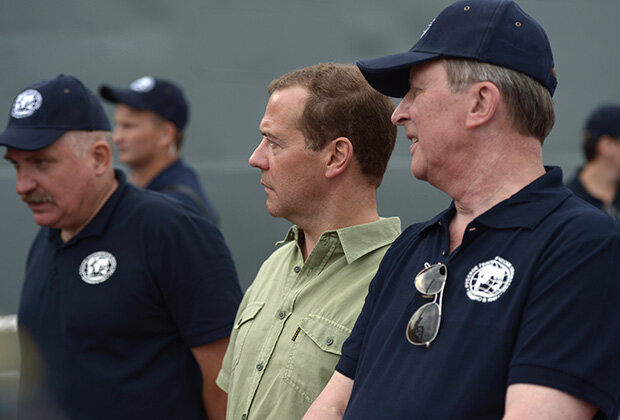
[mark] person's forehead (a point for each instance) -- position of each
(289, 97)
(125, 111)
(430, 70)
(16, 154)
(285, 106)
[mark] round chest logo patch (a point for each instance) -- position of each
(97, 267)
(26, 103)
(143, 84)
(487, 281)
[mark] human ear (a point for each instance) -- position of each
(166, 133)
(339, 155)
(102, 156)
(483, 100)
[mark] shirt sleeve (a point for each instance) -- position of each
(195, 272)
(352, 347)
(570, 328)
(223, 378)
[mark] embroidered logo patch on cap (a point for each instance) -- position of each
(143, 84)
(97, 267)
(487, 281)
(26, 103)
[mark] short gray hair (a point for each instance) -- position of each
(528, 102)
(80, 141)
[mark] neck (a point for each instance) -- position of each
(490, 178)
(67, 233)
(600, 180)
(337, 212)
(142, 175)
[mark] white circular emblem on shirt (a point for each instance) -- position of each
(487, 281)
(143, 84)
(26, 103)
(97, 267)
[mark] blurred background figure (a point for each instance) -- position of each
(150, 118)
(597, 181)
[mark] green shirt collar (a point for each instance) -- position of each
(358, 240)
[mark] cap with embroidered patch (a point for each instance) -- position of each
(152, 94)
(490, 31)
(45, 110)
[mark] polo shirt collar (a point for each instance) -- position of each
(358, 240)
(526, 209)
(155, 183)
(98, 224)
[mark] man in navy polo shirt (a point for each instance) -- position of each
(128, 297)
(505, 304)
(150, 118)
(598, 180)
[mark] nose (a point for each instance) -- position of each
(24, 182)
(401, 113)
(116, 135)
(258, 158)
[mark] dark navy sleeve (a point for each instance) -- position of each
(196, 274)
(568, 339)
(351, 348)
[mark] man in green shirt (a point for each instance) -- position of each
(326, 142)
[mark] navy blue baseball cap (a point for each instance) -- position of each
(45, 110)
(490, 31)
(152, 94)
(604, 120)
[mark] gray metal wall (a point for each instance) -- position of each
(225, 53)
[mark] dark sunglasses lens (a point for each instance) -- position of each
(424, 324)
(431, 280)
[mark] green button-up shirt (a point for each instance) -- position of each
(294, 318)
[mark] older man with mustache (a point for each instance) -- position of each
(128, 297)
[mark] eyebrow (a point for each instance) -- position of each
(269, 134)
(35, 154)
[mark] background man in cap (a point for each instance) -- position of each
(128, 296)
(327, 139)
(514, 311)
(150, 118)
(597, 182)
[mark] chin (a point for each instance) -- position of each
(418, 174)
(45, 220)
(276, 211)
(271, 210)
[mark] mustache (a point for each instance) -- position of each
(37, 197)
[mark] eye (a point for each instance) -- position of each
(270, 143)
(414, 91)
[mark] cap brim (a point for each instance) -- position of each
(390, 74)
(30, 139)
(123, 96)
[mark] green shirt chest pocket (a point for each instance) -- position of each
(242, 327)
(314, 353)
